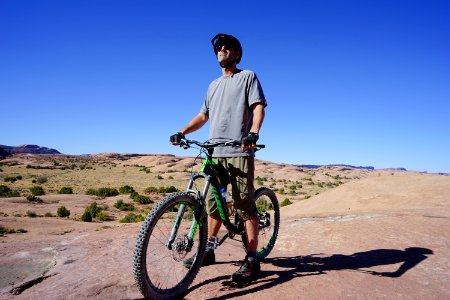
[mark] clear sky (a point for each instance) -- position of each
(364, 83)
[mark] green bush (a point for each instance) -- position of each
(123, 206)
(103, 192)
(103, 216)
(86, 217)
(37, 190)
(91, 192)
(63, 212)
(10, 179)
(41, 179)
(286, 202)
(126, 189)
(7, 192)
(6, 230)
(34, 199)
(142, 199)
(151, 189)
(31, 214)
(132, 218)
(170, 189)
(66, 190)
(93, 209)
(264, 205)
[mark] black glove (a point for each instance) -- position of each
(250, 140)
(176, 138)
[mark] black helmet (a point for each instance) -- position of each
(222, 39)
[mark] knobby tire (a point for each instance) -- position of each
(159, 272)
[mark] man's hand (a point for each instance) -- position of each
(250, 140)
(176, 138)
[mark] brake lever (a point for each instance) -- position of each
(184, 144)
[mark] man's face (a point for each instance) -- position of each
(227, 56)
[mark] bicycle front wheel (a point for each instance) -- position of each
(158, 266)
(269, 220)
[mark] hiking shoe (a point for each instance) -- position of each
(209, 259)
(248, 272)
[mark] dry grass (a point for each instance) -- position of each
(140, 172)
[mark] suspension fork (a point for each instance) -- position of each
(196, 221)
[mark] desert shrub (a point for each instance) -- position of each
(151, 189)
(48, 215)
(41, 179)
(66, 190)
(142, 199)
(132, 218)
(31, 214)
(170, 189)
(264, 205)
(159, 177)
(86, 217)
(103, 192)
(5, 191)
(126, 189)
(107, 192)
(62, 212)
(93, 209)
(6, 230)
(286, 202)
(102, 216)
(37, 190)
(19, 177)
(123, 206)
(10, 179)
(34, 199)
(91, 192)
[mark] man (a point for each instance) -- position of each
(234, 105)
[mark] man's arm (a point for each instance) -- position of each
(258, 117)
(196, 123)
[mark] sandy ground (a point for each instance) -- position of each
(381, 237)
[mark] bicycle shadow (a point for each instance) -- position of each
(318, 264)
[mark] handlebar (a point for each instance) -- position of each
(185, 144)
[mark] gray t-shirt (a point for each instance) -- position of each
(227, 104)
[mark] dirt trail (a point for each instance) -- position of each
(381, 237)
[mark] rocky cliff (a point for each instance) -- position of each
(32, 149)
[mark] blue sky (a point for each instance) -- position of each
(353, 82)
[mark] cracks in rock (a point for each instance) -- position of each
(334, 219)
(29, 284)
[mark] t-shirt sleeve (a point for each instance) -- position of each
(255, 94)
(205, 108)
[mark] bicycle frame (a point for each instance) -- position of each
(206, 172)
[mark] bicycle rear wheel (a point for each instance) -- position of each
(159, 271)
(269, 220)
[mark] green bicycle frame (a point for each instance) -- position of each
(206, 172)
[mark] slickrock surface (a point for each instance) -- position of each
(381, 237)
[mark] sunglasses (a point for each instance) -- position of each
(219, 47)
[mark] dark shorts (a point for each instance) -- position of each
(241, 171)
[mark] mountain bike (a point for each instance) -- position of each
(176, 228)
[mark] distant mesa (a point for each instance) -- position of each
(337, 165)
(3, 153)
(26, 149)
